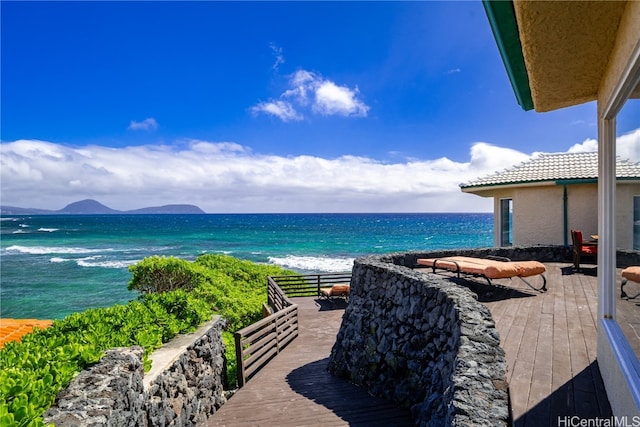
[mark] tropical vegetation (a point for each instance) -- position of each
(176, 297)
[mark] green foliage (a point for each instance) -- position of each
(36, 369)
(230, 355)
(33, 371)
(162, 274)
(236, 289)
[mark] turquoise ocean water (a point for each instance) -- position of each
(53, 265)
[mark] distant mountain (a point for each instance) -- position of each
(169, 209)
(87, 206)
(93, 207)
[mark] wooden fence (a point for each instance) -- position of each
(308, 285)
(258, 343)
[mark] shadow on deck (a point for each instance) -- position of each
(549, 340)
(295, 388)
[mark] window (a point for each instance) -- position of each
(636, 223)
(506, 222)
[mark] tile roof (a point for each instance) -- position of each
(555, 167)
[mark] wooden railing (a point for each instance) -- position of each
(258, 343)
(307, 285)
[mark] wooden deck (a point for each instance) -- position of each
(295, 388)
(549, 340)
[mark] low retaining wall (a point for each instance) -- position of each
(552, 253)
(424, 343)
(515, 253)
(184, 386)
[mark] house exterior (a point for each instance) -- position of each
(563, 53)
(540, 201)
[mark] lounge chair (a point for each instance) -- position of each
(489, 268)
(336, 291)
(629, 274)
(582, 248)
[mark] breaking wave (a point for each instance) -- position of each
(44, 250)
(312, 263)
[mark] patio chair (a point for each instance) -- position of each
(582, 248)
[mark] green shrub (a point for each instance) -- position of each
(177, 296)
(44, 362)
(162, 274)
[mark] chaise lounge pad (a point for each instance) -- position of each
(491, 269)
(336, 290)
(632, 273)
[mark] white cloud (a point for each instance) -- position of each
(492, 158)
(279, 57)
(310, 93)
(147, 124)
(586, 146)
(229, 177)
(281, 109)
(627, 146)
(332, 99)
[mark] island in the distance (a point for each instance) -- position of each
(93, 207)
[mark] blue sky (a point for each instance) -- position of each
(263, 106)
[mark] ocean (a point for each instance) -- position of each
(54, 265)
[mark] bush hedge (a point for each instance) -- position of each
(177, 296)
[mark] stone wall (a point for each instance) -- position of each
(183, 388)
(514, 253)
(553, 253)
(424, 343)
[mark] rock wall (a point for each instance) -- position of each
(515, 253)
(424, 343)
(185, 388)
(553, 253)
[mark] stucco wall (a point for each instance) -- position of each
(626, 41)
(538, 213)
(582, 205)
(624, 215)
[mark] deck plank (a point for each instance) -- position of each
(564, 379)
(550, 342)
(295, 388)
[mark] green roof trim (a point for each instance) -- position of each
(579, 181)
(502, 18)
(536, 181)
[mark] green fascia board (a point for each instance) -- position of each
(578, 181)
(502, 18)
(527, 182)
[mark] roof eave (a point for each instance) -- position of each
(574, 181)
(502, 185)
(502, 18)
